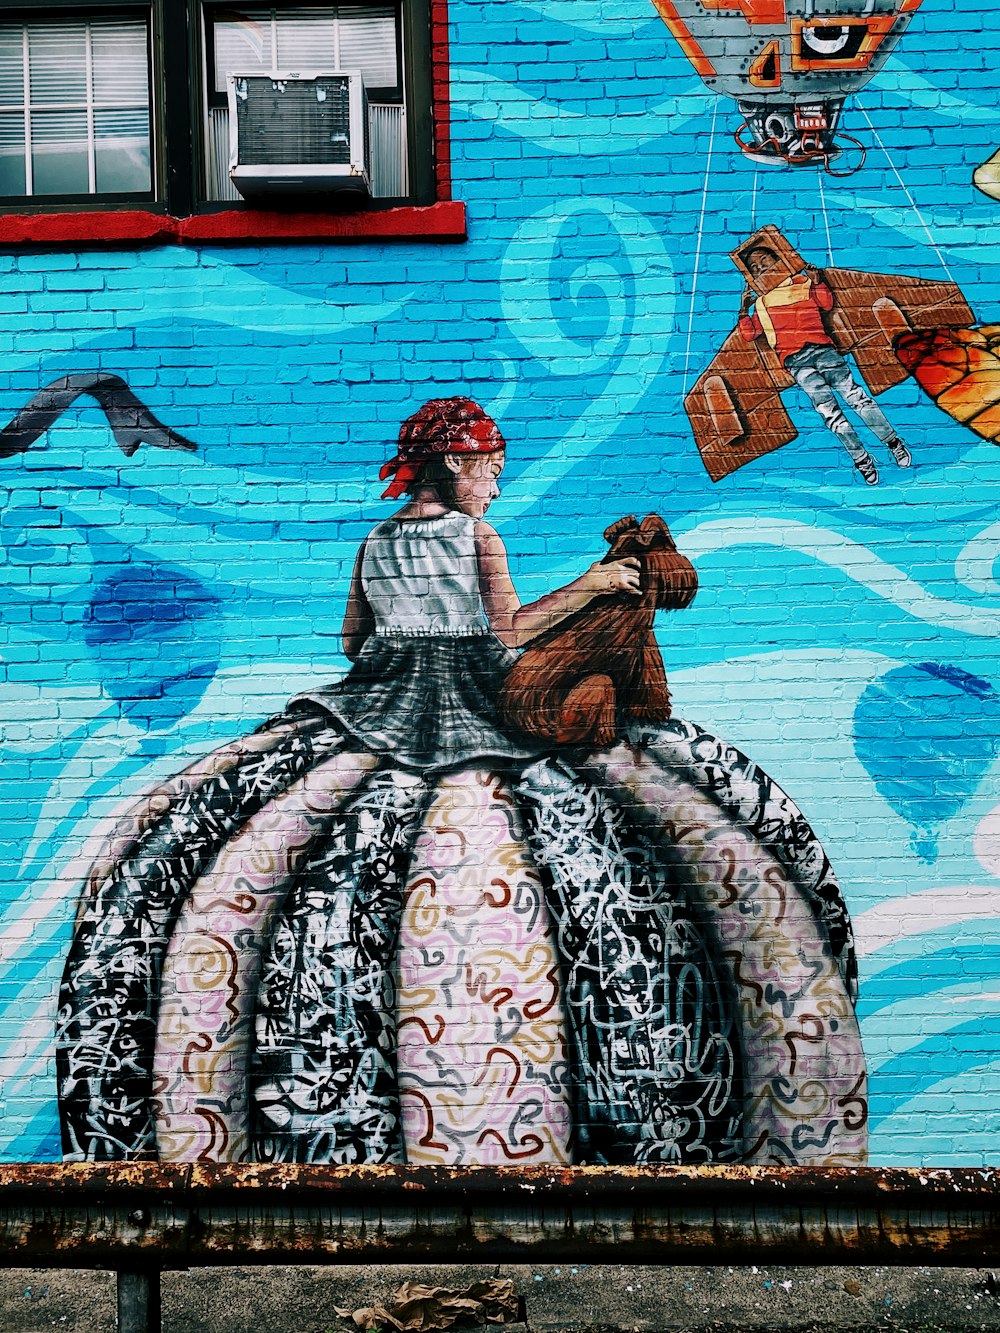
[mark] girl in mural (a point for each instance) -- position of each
(674, 975)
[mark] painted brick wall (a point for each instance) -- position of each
(159, 606)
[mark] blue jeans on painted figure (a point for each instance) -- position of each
(822, 374)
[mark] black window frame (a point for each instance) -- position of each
(206, 47)
(45, 203)
(178, 46)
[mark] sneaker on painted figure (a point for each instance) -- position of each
(900, 453)
(866, 466)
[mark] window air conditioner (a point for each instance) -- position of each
(303, 132)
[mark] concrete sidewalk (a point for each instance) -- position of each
(594, 1299)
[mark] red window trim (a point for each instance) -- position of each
(444, 220)
(441, 97)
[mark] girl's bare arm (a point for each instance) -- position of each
(359, 623)
(514, 624)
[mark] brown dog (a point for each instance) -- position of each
(571, 685)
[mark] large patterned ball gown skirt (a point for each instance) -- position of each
(313, 945)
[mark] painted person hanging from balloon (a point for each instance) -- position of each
(797, 325)
(464, 907)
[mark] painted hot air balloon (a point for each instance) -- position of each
(927, 735)
(788, 64)
(154, 633)
(960, 370)
(986, 176)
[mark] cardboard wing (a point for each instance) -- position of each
(735, 407)
(871, 309)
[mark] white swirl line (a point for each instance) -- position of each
(897, 78)
(559, 130)
(885, 926)
(225, 293)
(977, 559)
(855, 561)
(908, 1022)
(958, 233)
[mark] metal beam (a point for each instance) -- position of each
(141, 1216)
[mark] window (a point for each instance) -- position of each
(273, 41)
(125, 107)
(74, 108)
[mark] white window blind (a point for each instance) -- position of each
(74, 107)
(328, 38)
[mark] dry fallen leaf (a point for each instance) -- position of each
(415, 1307)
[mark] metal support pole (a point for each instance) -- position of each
(139, 1301)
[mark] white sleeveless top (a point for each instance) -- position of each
(422, 577)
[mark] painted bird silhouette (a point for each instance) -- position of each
(131, 421)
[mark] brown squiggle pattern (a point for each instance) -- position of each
(747, 796)
(323, 1075)
(705, 968)
(483, 1069)
(801, 1046)
(212, 966)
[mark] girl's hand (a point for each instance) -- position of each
(618, 576)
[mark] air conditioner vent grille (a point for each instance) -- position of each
(301, 121)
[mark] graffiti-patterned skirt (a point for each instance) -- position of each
(305, 949)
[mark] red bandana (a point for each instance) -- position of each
(442, 426)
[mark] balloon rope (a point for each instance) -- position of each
(902, 186)
(826, 218)
(697, 252)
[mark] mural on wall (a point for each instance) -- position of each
(231, 989)
(603, 932)
(927, 736)
(576, 677)
(796, 325)
(789, 67)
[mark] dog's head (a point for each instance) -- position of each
(668, 575)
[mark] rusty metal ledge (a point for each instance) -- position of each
(141, 1214)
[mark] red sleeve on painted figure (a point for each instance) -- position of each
(750, 326)
(822, 294)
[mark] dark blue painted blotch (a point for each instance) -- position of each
(927, 734)
(155, 633)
